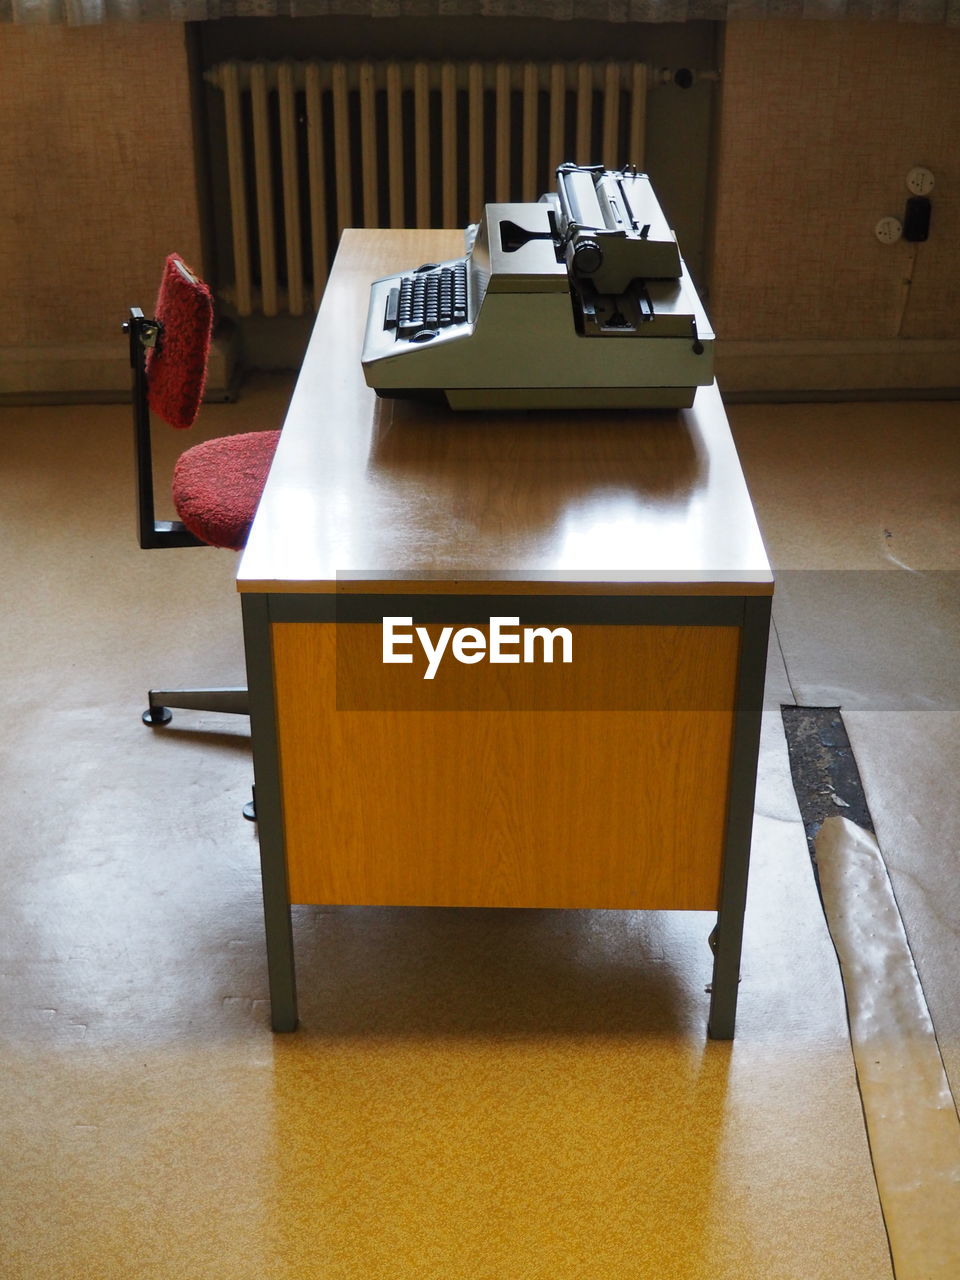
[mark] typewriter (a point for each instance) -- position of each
(578, 300)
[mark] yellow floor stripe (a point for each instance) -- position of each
(910, 1113)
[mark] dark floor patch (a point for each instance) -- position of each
(825, 774)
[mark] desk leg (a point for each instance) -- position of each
(273, 863)
(743, 784)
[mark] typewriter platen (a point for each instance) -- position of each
(580, 300)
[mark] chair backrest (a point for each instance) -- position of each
(177, 364)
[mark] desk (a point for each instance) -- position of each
(623, 779)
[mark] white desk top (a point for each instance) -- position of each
(379, 495)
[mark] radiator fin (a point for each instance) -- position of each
(313, 147)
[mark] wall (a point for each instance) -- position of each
(96, 186)
(819, 124)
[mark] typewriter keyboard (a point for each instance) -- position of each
(427, 300)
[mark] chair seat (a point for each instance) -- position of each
(217, 486)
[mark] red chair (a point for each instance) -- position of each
(217, 485)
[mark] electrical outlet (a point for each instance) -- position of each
(920, 181)
(888, 230)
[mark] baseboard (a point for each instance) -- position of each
(99, 372)
(871, 369)
(919, 368)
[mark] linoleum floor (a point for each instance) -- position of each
(492, 1095)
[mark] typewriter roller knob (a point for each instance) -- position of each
(587, 257)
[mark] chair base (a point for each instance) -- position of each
(233, 701)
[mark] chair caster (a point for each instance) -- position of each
(157, 715)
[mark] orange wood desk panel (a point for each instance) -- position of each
(622, 779)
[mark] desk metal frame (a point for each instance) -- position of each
(751, 613)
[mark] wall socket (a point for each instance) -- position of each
(920, 181)
(888, 230)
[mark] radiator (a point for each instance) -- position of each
(313, 147)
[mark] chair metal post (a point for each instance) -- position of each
(143, 333)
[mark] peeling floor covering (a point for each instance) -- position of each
(492, 1095)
